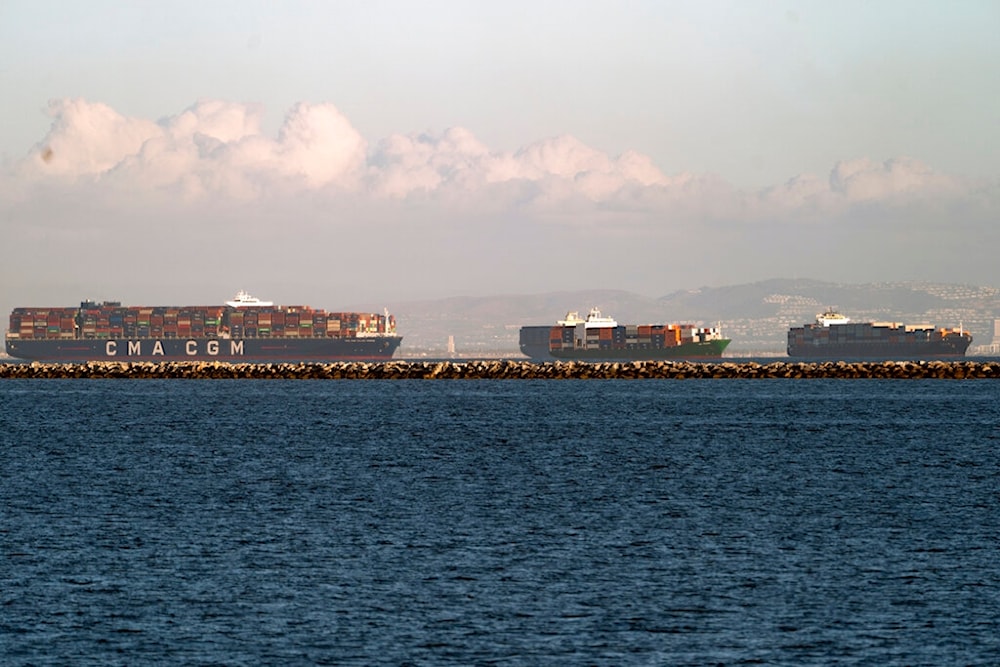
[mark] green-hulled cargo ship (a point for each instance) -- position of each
(600, 338)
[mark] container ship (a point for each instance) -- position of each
(833, 336)
(600, 338)
(244, 329)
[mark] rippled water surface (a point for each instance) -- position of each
(499, 522)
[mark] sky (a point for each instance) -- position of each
(348, 154)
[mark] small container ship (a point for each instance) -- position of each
(834, 336)
(600, 338)
(245, 329)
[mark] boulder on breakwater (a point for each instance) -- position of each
(508, 370)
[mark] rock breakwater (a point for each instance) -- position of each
(509, 370)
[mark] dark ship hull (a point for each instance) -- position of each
(874, 350)
(207, 349)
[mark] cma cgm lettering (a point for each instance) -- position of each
(245, 329)
(155, 348)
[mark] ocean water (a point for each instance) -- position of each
(499, 522)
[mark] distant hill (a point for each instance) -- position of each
(755, 315)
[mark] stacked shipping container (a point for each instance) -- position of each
(643, 336)
(602, 338)
(110, 320)
(875, 339)
(890, 332)
(49, 323)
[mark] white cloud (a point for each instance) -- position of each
(88, 139)
(402, 164)
(220, 120)
(806, 194)
(865, 180)
(212, 148)
(318, 143)
(217, 149)
(563, 156)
